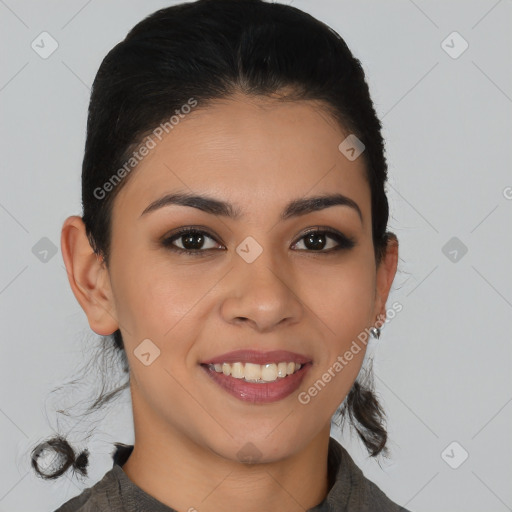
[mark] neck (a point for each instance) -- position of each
(186, 476)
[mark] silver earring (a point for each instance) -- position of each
(375, 332)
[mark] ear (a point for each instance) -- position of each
(385, 274)
(88, 277)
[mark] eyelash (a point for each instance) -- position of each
(343, 241)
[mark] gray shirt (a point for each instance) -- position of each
(349, 489)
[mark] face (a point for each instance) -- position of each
(261, 291)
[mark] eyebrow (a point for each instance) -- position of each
(214, 206)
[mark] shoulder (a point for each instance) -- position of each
(375, 496)
(101, 497)
(353, 490)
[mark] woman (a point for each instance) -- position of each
(233, 248)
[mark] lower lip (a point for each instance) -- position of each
(259, 393)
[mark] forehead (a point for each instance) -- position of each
(254, 152)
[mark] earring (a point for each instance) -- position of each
(375, 332)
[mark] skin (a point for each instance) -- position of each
(258, 154)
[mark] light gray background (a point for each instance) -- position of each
(443, 364)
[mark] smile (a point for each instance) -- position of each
(258, 377)
(260, 373)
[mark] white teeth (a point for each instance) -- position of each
(260, 373)
(237, 370)
(252, 371)
(281, 369)
(269, 372)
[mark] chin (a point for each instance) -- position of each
(259, 447)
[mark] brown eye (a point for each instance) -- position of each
(192, 241)
(316, 241)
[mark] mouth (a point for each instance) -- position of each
(258, 373)
(258, 377)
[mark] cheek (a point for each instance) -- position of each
(162, 301)
(342, 295)
(140, 284)
(151, 302)
(157, 303)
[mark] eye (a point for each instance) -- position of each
(316, 240)
(192, 241)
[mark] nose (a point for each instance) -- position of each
(261, 294)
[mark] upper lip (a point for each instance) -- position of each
(258, 357)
